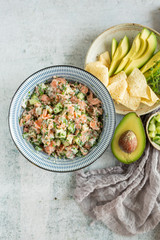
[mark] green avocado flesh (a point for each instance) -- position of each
(134, 49)
(151, 62)
(133, 123)
(139, 62)
(143, 43)
(121, 51)
(114, 47)
(141, 51)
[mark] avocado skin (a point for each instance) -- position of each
(130, 122)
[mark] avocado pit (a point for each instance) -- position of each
(128, 141)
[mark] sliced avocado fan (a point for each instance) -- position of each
(139, 62)
(143, 38)
(134, 49)
(121, 51)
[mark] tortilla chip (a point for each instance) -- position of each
(118, 77)
(137, 85)
(98, 70)
(130, 102)
(105, 59)
(118, 89)
(152, 97)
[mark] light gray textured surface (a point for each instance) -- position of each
(36, 204)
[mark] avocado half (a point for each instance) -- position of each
(130, 122)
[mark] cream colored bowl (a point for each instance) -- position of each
(147, 124)
(103, 43)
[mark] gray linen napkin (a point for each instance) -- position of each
(126, 198)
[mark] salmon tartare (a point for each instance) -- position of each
(62, 118)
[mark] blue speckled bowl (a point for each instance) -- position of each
(41, 159)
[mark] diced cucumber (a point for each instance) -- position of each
(71, 127)
(68, 140)
(85, 127)
(25, 135)
(64, 120)
(78, 154)
(152, 127)
(49, 109)
(43, 86)
(78, 141)
(65, 143)
(34, 99)
(157, 124)
(37, 148)
(38, 111)
(76, 107)
(68, 89)
(58, 142)
(92, 141)
(158, 129)
(157, 118)
(74, 150)
(49, 90)
(152, 121)
(78, 113)
(60, 133)
(58, 108)
(80, 96)
(32, 133)
(156, 140)
(152, 134)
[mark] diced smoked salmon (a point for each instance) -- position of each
(93, 125)
(84, 89)
(54, 83)
(45, 98)
(91, 100)
(38, 123)
(49, 149)
(45, 115)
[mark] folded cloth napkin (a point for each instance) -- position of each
(126, 198)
